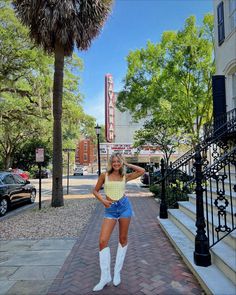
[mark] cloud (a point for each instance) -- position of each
(96, 107)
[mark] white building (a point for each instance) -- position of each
(225, 48)
(120, 127)
(125, 126)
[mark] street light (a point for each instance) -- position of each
(98, 132)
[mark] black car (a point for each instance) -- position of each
(14, 189)
(45, 173)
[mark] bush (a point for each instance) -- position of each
(173, 194)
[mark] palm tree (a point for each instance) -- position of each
(57, 26)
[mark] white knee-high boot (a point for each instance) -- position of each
(105, 266)
(120, 257)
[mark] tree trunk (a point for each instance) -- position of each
(57, 189)
(7, 161)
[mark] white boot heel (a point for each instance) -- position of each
(105, 261)
(120, 257)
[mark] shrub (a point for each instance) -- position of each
(173, 194)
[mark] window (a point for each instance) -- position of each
(8, 179)
(85, 146)
(234, 89)
(220, 20)
(232, 15)
(85, 157)
(18, 179)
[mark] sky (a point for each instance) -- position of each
(130, 25)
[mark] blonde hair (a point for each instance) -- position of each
(110, 168)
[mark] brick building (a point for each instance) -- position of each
(85, 153)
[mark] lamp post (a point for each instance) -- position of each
(98, 131)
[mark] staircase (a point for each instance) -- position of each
(218, 186)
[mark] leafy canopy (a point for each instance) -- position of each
(63, 23)
(171, 80)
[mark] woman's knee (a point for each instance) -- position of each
(103, 243)
(123, 240)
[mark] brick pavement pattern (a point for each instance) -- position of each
(152, 266)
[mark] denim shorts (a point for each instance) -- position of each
(119, 209)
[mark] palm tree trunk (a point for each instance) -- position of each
(57, 189)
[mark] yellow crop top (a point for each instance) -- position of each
(114, 189)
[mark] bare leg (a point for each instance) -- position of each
(106, 231)
(123, 230)
(122, 248)
(104, 254)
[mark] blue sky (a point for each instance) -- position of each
(131, 24)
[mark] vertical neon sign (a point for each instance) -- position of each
(109, 108)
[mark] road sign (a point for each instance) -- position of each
(39, 152)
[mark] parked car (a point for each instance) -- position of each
(78, 171)
(23, 174)
(14, 189)
(103, 170)
(179, 174)
(45, 173)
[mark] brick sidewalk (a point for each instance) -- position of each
(152, 266)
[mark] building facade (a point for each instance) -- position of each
(125, 126)
(119, 126)
(225, 52)
(85, 153)
(120, 130)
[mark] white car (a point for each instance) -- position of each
(103, 170)
(78, 171)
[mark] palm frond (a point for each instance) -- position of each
(63, 22)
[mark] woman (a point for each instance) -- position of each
(117, 207)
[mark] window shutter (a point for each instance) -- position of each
(219, 101)
(221, 26)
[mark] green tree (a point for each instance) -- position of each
(24, 70)
(25, 102)
(26, 96)
(24, 158)
(172, 79)
(164, 136)
(57, 26)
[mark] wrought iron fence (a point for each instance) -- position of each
(219, 185)
(178, 176)
(210, 172)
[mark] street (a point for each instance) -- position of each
(81, 185)
(77, 185)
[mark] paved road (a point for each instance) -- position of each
(78, 185)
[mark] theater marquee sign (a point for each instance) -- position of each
(109, 108)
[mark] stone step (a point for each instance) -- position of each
(229, 210)
(224, 260)
(227, 184)
(190, 210)
(228, 196)
(211, 278)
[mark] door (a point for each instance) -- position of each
(13, 189)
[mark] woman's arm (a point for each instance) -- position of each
(138, 171)
(97, 188)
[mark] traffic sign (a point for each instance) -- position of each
(39, 155)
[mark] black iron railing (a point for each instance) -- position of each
(209, 171)
(225, 124)
(219, 184)
(221, 120)
(179, 173)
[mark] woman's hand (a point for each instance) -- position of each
(122, 160)
(106, 203)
